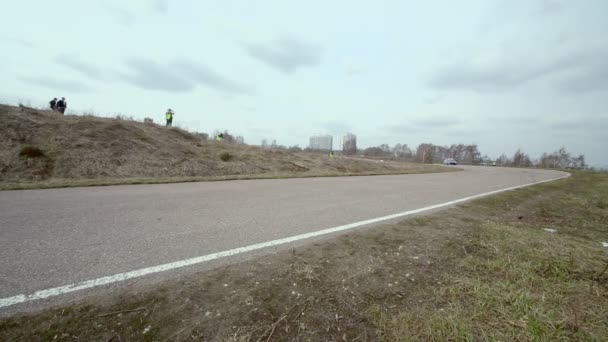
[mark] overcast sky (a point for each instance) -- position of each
(502, 74)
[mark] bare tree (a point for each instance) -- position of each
(402, 151)
(503, 160)
(561, 159)
(349, 144)
(520, 159)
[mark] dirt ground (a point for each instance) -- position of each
(44, 149)
(487, 270)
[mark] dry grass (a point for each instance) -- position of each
(88, 150)
(519, 282)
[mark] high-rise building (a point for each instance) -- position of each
(321, 142)
(349, 144)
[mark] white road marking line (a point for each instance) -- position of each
(56, 291)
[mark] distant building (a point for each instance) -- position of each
(321, 142)
(349, 144)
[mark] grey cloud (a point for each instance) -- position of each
(179, 76)
(286, 54)
(57, 84)
(551, 7)
(261, 131)
(354, 71)
(122, 16)
(507, 75)
(463, 132)
(336, 126)
(203, 75)
(75, 64)
(162, 6)
(424, 124)
(19, 41)
(514, 120)
(592, 77)
(494, 78)
(435, 121)
(400, 128)
(580, 123)
(434, 99)
(147, 74)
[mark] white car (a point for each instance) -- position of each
(450, 161)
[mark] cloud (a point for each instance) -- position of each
(425, 124)
(121, 15)
(335, 126)
(71, 62)
(200, 74)
(582, 123)
(500, 75)
(150, 75)
(400, 128)
(590, 78)
(19, 41)
(57, 84)
(548, 7)
(514, 120)
(434, 99)
(179, 76)
(354, 71)
(435, 121)
(162, 6)
(286, 54)
(577, 72)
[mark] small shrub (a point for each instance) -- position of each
(31, 152)
(124, 117)
(226, 156)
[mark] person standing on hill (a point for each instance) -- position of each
(62, 105)
(53, 104)
(169, 117)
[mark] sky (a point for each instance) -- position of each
(530, 74)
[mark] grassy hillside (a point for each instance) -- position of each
(47, 148)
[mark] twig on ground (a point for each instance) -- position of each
(151, 311)
(303, 309)
(119, 312)
(175, 334)
(602, 273)
(273, 327)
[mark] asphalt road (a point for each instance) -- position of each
(50, 238)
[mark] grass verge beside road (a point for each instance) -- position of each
(523, 265)
(73, 183)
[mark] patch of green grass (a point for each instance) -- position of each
(521, 282)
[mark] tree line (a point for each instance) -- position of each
(429, 153)
(469, 154)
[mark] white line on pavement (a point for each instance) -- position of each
(56, 291)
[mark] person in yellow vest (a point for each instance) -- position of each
(220, 137)
(169, 117)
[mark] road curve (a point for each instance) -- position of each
(51, 238)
